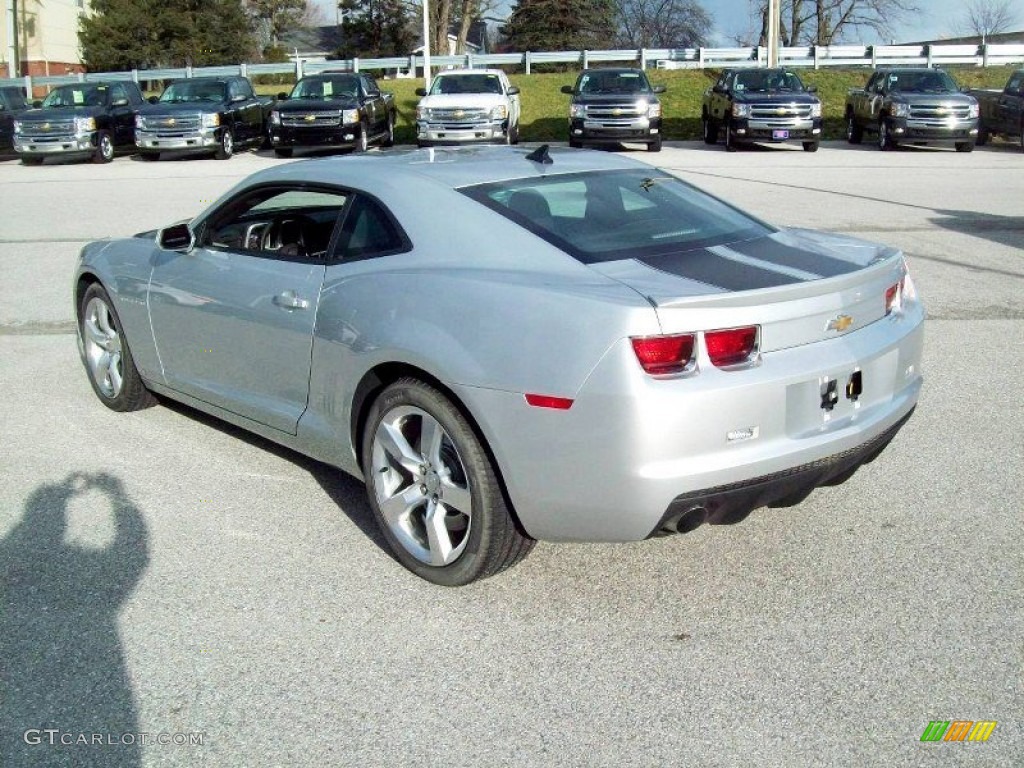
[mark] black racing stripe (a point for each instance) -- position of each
(771, 250)
(707, 267)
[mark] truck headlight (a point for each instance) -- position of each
(653, 110)
(973, 110)
(350, 116)
(500, 112)
(741, 110)
(275, 118)
(898, 109)
(138, 121)
(816, 110)
(17, 126)
(422, 113)
(577, 110)
(211, 120)
(85, 124)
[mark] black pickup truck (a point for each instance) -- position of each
(761, 105)
(333, 110)
(203, 115)
(79, 120)
(1002, 112)
(611, 106)
(12, 104)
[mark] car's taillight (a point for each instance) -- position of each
(664, 354)
(892, 299)
(731, 346)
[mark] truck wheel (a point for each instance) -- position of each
(227, 145)
(513, 133)
(362, 141)
(575, 144)
(965, 146)
(810, 146)
(983, 137)
(31, 161)
(283, 151)
(654, 146)
(389, 136)
(730, 144)
(104, 151)
(854, 133)
(710, 129)
(885, 139)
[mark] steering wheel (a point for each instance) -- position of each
(287, 235)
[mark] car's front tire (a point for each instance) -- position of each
(226, 148)
(433, 489)
(964, 146)
(854, 132)
(654, 146)
(108, 360)
(710, 130)
(810, 146)
(885, 137)
(104, 152)
(283, 152)
(362, 139)
(389, 134)
(730, 142)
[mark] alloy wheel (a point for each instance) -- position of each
(103, 348)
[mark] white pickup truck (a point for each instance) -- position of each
(468, 106)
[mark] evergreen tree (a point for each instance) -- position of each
(141, 34)
(376, 28)
(562, 25)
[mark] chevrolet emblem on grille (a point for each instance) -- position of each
(459, 113)
(169, 122)
(309, 118)
(780, 110)
(840, 323)
(617, 111)
(45, 126)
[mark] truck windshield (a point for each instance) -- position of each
(932, 81)
(465, 84)
(77, 96)
(768, 81)
(607, 216)
(342, 87)
(613, 82)
(194, 91)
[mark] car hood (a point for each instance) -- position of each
(59, 113)
(785, 257)
(316, 105)
(614, 98)
(948, 97)
(788, 97)
(181, 107)
(451, 100)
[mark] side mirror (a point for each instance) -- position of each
(513, 91)
(177, 237)
(811, 89)
(119, 103)
(567, 89)
(238, 97)
(282, 96)
(421, 91)
(153, 99)
(659, 89)
(37, 103)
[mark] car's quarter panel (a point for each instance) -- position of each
(226, 334)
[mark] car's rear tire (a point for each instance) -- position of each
(226, 147)
(964, 146)
(810, 146)
(283, 151)
(654, 146)
(104, 151)
(854, 132)
(710, 130)
(433, 489)
(108, 360)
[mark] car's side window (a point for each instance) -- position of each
(289, 223)
(370, 231)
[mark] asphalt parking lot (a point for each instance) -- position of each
(164, 574)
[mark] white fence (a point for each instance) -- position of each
(662, 58)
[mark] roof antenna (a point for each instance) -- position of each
(540, 155)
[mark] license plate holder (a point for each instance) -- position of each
(779, 134)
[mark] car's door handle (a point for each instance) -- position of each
(290, 300)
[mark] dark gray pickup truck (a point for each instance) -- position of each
(611, 106)
(12, 104)
(79, 120)
(1002, 112)
(912, 105)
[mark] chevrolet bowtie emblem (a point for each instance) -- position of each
(459, 113)
(840, 323)
(170, 121)
(780, 111)
(46, 126)
(310, 118)
(617, 111)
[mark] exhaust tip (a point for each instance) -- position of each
(689, 520)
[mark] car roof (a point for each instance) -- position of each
(457, 72)
(447, 167)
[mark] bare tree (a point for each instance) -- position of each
(985, 18)
(663, 23)
(824, 22)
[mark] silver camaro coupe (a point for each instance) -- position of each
(510, 345)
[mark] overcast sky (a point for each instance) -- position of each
(732, 17)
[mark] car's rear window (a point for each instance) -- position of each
(606, 216)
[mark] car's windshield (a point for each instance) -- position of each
(607, 216)
(194, 91)
(77, 96)
(465, 84)
(340, 87)
(613, 82)
(933, 81)
(768, 81)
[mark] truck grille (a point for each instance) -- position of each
(780, 111)
(170, 126)
(455, 117)
(939, 113)
(612, 112)
(311, 119)
(54, 130)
